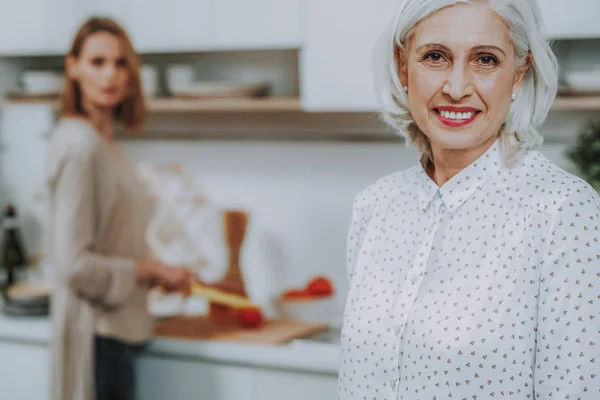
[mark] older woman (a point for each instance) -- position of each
(474, 274)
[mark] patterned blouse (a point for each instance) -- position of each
(485, 288)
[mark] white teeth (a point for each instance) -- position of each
(455, 115)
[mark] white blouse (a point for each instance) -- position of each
(485, 288)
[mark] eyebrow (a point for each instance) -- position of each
(478, 49)
(488, 48)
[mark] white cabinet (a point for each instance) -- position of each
(47, 27)
(22, 26)
(118, 10)
(24, 371)
(257, 24)
(573, 19)
(171, 26)
(160, 378)
(276, 385)
(336, 62)
(64, 18)
(37, 27)
(205, 25)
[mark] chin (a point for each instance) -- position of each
(455, 140)
(109, 101)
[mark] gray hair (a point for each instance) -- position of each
(532, 104)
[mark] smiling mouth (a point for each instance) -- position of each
(456, 117)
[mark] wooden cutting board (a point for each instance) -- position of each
(203, 328)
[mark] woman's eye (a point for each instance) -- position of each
(434, 57)
(97, 61)
(121, 62)
(488, 60)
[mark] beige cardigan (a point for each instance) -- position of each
(98, 216)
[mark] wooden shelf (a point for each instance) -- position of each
(177, 105)
(577, 103)
(276, 104)
(265, 104)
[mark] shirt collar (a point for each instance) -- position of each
(464, 184)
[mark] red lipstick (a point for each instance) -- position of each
(444, 113)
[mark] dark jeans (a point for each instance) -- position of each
(114, 369)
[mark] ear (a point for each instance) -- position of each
(71, 67)
(520, 74)
(401, 65)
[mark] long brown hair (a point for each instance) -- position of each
(131, 112)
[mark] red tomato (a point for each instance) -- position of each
(320, 286)
(250, 318)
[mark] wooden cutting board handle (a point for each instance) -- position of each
(235, 223)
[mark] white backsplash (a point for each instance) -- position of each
(299, 195)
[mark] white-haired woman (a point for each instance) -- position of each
(476, 273)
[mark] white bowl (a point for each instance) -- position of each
(42, 82)
(149, 78)
(584, 81)
(179, 77)
(314, 310)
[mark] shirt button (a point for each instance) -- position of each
(414, 278)
(397, 330)
(393, 384)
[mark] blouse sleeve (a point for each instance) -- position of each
(568, 352)
(100, 278)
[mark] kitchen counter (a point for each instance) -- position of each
(317, 354)
(184, 369)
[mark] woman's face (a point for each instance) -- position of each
(101, 71)
(460, 72)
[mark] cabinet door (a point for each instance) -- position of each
(573, 19)
(48, 27)
(275, 385)
(63, 18)
(22, 26)
(160, 378)
(24, 371)
(119, 10)
(336, 62)
(171, 26)
(257, 24)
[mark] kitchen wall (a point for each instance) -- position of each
(298, 194)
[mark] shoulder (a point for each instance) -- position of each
(72, 136)
(385, 188)
(73, 142)
(544, 186)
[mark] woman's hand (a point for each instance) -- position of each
(175, 278)
(230, 286)
(169, 278)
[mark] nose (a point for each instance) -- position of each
(109, 71)
(459, 83)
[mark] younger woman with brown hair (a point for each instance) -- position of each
(98, 220)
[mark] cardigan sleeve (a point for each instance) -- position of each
(103, 279)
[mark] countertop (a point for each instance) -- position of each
(318, 354)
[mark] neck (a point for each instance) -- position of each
(449, 162)
(101, 119)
